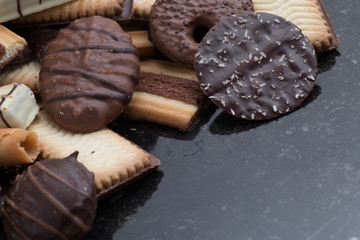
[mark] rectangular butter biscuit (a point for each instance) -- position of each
(113, 159)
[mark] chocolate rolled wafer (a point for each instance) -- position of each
(11, 45)
(114, 160)
(309, 15)
(256, 66)
(18, 106)
(165, 98)
(18, 8)
(18, 146)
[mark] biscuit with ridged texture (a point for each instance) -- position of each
(142, 8)
(308, 15)
(26, 73)
(112, 158)
(18, 146)
(76, 9)
(11, 45)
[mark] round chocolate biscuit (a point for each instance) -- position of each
(51, 199)
(88, 74)
(256, 66)
(177, 26)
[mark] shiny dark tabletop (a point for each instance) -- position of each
(295, 177)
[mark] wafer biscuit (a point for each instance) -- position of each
(10, 45)
(76, 9)
(111, 158)
(141, 41)
(308, 15)
(165, 97)
(17, 146)
(26, 73)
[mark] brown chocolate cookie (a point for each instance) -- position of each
(88, 74)
(256, 65)
(52, 199)
(177, 26)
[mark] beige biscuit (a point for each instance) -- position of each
(10, 45)
(18, 146)
(167, 94)
(306, 14)
(111, 158)
(76, 9)
(142, 8)
(141, 41)
(26, 73)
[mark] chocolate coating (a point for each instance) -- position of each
(88, 74)
(173, 24)
(52, 199)
(256, 66)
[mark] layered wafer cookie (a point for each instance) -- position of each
(309, 15)
(113, 159)
(26, 73)
(18, 146)
(141, 41)
(11, 45)
(76, 9)
(165, 97)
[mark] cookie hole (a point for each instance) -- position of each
(199, 33)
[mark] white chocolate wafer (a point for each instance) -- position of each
(109, 156)
(12, 9)
(26, 73)
(18, 106)
(306, 14)
(10, 45)
(18, 146)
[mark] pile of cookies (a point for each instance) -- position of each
(69, 68)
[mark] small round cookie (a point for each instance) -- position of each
(177, 26)
(256, 66)
(88, 74)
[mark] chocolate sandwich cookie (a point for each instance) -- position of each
(176, 26)
(88, 74)
(52, 199)
(256, 66)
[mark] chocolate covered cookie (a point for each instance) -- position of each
(52, 199)
(88, 74)
(176, 26)
(256, 66)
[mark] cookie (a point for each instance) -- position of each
(74, 10)
(11, 45)
(88, 74)
(51, 199)
(114, 160)
(18, 146)
(142, 43)
(177, 26)
(256, 66)
(164, 97)
(142, 8)
(14, 9)
(309, 15)
(26, 73)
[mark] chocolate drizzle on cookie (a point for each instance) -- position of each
(256, 66)
(88, 74)
(52, 199)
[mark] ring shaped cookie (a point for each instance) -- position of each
(176, 26)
